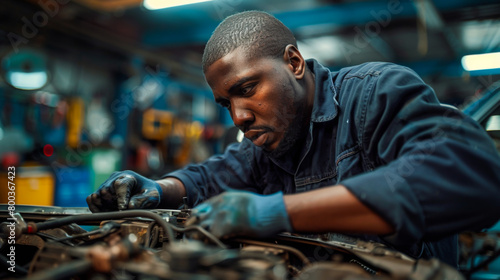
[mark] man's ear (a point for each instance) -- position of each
(293, 58)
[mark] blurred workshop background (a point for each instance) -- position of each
(89, 87)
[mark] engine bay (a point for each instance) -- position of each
(40, 242)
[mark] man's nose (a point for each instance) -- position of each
(242, 117)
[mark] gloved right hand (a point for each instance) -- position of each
(125, 190)
(242, 213)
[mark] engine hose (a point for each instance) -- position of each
(17, 268)
(63, 272)
(35, 227)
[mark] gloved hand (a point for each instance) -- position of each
(243, 213)
(125, 190)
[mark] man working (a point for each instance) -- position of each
(366, 150)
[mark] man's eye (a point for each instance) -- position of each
(246, 90)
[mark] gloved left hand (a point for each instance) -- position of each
(125, 190)
(238, 213)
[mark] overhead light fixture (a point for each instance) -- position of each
(162, 4)
(485, 61)
(27, 81)
(25, 69)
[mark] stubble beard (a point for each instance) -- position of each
(297, 130)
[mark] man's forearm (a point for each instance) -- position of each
(333, 209)
(173, 192)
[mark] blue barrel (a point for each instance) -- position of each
(72, 186)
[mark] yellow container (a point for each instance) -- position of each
(34, 186)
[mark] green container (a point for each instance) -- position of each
(102, 163)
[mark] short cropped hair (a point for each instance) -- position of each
(259, 33)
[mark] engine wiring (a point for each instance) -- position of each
(105, 230)
(168, 228)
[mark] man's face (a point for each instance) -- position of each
(265, 98)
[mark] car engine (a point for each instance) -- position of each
(40, 242)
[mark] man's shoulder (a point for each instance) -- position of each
(370, 68)
(359, 82)
(363, 75)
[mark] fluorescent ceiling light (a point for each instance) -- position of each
(161, 4)
(481, 61)
(493, 123)
(27, 81)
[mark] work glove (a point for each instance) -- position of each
(125, 190)
(239, 213)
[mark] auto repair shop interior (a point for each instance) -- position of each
(91, 87)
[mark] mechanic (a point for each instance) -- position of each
(367, 150)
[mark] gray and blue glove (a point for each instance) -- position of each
(238, 213)
(125, 190)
